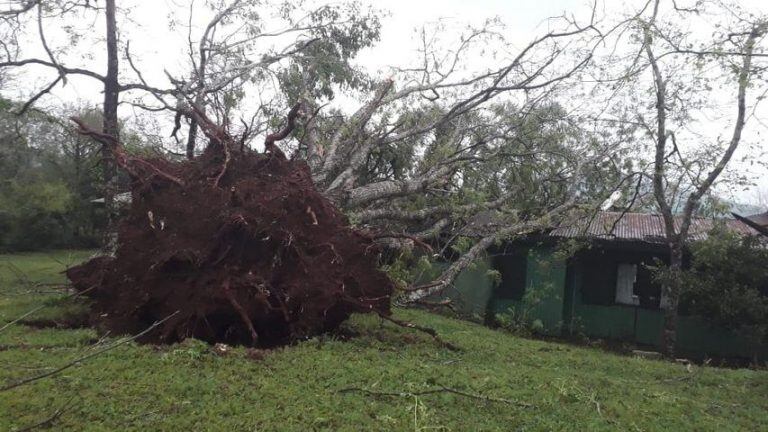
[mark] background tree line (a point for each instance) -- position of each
(51, 181)
(49, 178)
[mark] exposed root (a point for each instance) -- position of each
(269, 142)
(125, 161)
(224, 165)
(312, 214)
(243, 314)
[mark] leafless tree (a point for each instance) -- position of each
(687, 73)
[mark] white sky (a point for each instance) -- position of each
(159, 48)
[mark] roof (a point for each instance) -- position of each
(641, 227)
(615, 226)
(760, 219)
(758, 222)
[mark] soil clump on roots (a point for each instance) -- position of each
(235, 246)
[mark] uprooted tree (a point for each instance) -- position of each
(429, 149)
(240, 243)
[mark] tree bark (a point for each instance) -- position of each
(191, 139)
(110, 127)
(671, 289)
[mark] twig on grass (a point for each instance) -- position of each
(43, 306)
(440, 389)
(50, 419)
(85, 356)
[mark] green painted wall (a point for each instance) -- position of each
(545, 300)
(546, 283)
(644, 326)
(694, 335)
(474, 287)
(471, 291)
(544, 291)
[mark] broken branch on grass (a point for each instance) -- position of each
(427, 330)
(82, 358)
(47, 422)
(43, 306)
(441, 389)
(447, 303)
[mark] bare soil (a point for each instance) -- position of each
(241, 244)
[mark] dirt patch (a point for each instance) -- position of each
(67, 322)
(241, 244)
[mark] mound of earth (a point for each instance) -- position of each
(234, 246)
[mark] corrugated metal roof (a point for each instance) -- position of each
(641, 227)
(760, 219)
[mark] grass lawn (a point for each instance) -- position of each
(188, 387)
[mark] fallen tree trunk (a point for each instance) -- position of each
(240, 243)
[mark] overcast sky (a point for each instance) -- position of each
(526, 19)
(158, 48)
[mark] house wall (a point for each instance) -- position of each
(544, 286)
(471, 291)
(557, 304)
(475, 288)
(695, 337)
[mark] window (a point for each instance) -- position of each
(618, 278)
(598, 281)
(513, 273)
(646, 289)
(626, 276)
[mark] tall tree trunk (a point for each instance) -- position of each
(191, 139)
(193, 125)
(673, 284)
(110, 127)
(315, 151)
(671, 291)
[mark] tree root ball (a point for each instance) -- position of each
(246, 250)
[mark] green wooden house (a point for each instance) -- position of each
(603, 290)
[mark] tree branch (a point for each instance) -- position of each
(85, 357)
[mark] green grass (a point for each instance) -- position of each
(188, 387)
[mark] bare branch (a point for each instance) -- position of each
(27, 105)
(85, 357)
(25, 7)
(441, 389)
(59, 68)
